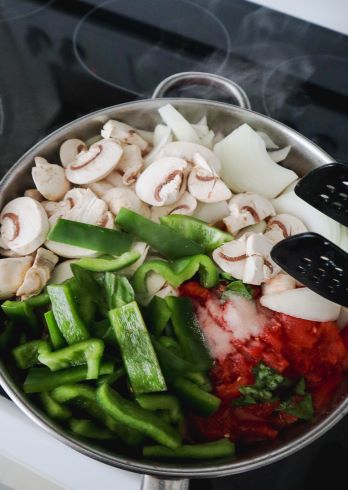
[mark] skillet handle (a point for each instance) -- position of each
(225, 85)
(153, 483)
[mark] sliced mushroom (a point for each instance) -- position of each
(247, 209)
(94, 164)
(38, 275)
(34, 194)
(107, 220)
(99, 188)
(282, 226)
(123, 197)
(69, 150)
(131, 164)
(115, 178)
(12, 273)
(75, 195)
(50, 179)
(24, 225)
(62, 272)
(277, 284)
(204, 184)
(247, 258)
(187, 150)
(163, 182)
(87, 208)
(124, 134)
(256, 228)
(57, 208)
(185, 205)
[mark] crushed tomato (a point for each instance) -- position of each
(315, 351)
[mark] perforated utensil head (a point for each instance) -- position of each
(326, 189)
(315, 262)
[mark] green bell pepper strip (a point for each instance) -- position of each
(222, 448)
(27, 355)
(200, 401)
(54, 409)
(109, 264)
(171, 344)
(157, 314)
(196, 230)
(201, 380)
(84, 397)
(110, 379)
(86, 428)
(20, 312)
(172, 365)
(43, 379)
(57, 339)
(65, 313)
(7, 337)
(38, 301)
(161, 238)
(161, 401)
(130, 414)
(137, 351)
(104, 331)
(188, 333)
(86, 352)
(118, 290)
(85, 301)
(177, 272)
(93, 237)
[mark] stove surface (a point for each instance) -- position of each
(61, 59)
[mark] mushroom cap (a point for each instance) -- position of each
(39, 273)
(69, 150)
(130, 164)
(185, 205)
(107, 220)
(187, 150)
(163, 182)
(56, 208)
(94, 164)
(12, 273)
(282, 226)
(124, 197)
(247, 208)
(124, 134)
(24, 225)
(204, 184)
(50, 179)
(76, 194)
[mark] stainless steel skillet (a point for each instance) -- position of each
(143, 114)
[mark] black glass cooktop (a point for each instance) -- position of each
(60, 59)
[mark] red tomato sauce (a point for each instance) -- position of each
(315, 351)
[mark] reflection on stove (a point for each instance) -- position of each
(18, 9)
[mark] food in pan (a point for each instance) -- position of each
(141, 304)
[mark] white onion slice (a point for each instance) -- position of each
(246, 165)
(302, 303)
(313, 219)
(146, 135)
(280, 155)
(270, 144)
(161, 136)
(182, 129)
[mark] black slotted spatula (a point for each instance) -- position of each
(308, 257)
(315, 262)
(326, 189)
